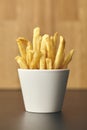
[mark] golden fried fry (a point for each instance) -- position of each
(59, 55)
(36, 39)
(29, 53)
(43, 42)
(29, 46)
(55, 38)
(48, 63)
(29, 57)
(22, 44)
(42, 62)
(35, 60)
(68, 59)
(38, 43)
(22, 63)
(55, 41)
(53, 50)
(43, 52)
(51, 37)
(62, 61)
(50, 48)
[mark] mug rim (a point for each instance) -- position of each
(43, 70)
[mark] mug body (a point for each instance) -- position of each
(43, 90)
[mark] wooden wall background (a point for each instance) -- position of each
(19, 17)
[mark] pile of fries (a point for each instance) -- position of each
(43, 53)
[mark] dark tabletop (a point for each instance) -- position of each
(72, 117)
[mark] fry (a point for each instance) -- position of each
(35, 60)
(36, 39)
(22, 63)
(53, 50)
(22, 44)
(29, 53)
(48, 63)
(29, 57)
(55, 41)
(68, 59)
(50, 48)
(42, 62)
(38, 43)
(59, 55)
(29, 46)
(62, 60)
(43, 52)
(43, 42)
(55, 38)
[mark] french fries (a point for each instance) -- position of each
(48, 63)
(35, 60)
(43, 53)
(68, 59)
(43, 62)
(60, 54)
(29, 57)
(22, 63)
(22, 44)
(36, 39)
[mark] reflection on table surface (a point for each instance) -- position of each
(14, 117)
(34, 121)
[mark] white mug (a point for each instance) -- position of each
(43, 90)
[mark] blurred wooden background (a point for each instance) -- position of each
(19, 17)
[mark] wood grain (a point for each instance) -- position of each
(19, 17)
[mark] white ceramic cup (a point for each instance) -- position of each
(43, 90)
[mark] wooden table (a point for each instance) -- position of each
(72, 117)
